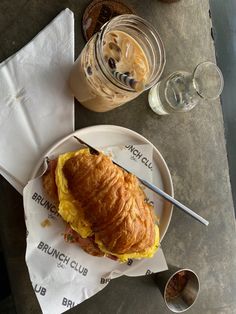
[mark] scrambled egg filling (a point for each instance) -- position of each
(71, 211)
(69, 208)
(148, 253)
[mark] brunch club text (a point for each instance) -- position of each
(39, 289)
(44, 203)
(62, 258)
(68, 303)
(138, 155)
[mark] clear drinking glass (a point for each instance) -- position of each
(182, 91)
(118, 63)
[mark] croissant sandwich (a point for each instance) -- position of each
(103, 204)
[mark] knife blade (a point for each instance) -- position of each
(154, 188)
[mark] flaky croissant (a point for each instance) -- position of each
(112, 202)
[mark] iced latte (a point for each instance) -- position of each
(117, 64)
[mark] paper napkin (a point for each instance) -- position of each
(36, 107)
(62, 274)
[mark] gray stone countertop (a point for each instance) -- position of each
(193, 145)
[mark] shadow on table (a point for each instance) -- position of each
(6, 301)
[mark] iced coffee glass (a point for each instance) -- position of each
(118, 63)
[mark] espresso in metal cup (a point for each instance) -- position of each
(179, 287)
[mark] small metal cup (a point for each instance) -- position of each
(186, 297)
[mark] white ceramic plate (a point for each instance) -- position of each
(111, 135)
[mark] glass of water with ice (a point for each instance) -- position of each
(182, 91)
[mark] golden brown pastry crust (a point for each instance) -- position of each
(49, 180)
(113, 201)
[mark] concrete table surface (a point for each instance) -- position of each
(192, 144)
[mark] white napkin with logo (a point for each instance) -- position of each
(36, 107)
(62, 274)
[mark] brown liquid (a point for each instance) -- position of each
(176, 285)
(127, 54)
(121, 53)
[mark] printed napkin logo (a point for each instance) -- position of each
(40, 289)
(130, 262)
(68, 303)
(56, 263)
(137, 155)
(63, 258)
(104, 280)
(45, 203)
